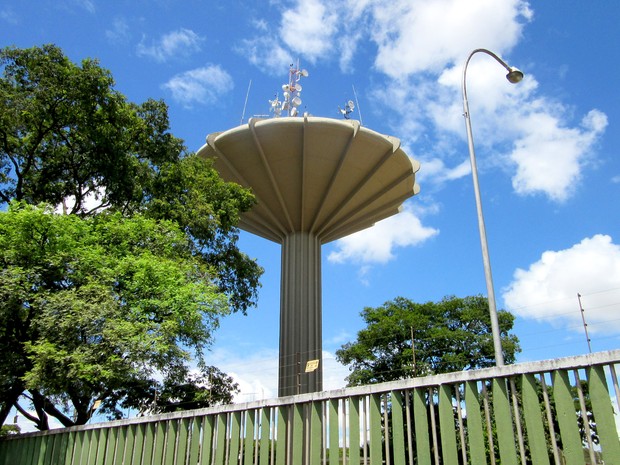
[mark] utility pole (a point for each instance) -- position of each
(585, 325)
(415, 369)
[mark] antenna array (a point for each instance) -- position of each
(291, 94)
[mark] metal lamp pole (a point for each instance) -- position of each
(513, 76)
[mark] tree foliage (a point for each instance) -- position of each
(453, 334)
(93, 307)
(107, 302)
(67, 137)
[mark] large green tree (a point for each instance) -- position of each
(405, 339)
(68, 138)
(102, 308)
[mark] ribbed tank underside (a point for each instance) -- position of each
(324, 176)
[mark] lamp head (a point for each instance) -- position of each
(514, 75)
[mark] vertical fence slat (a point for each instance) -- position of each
(334, 437)
(364, 428)
(534, 427)
(354, 430)
(159, 445)
(248, 444)
(102, 443)
(89, 452)
(193, 452)
(398, 428)
(603, 415)
(206, 451)
(49, 449)
(420, 416)
(549, 415)
(28, 455)
(408, 422)
(182, 441)
(171, 442)
(220, 434)
(376, 455)
(78, 447)
(60, 447)
(15, 451)
(23, 453)
(281, 435)
(150, 436)
(447, 427)
(584, 417)
(110, 447)
(567, 419)
(265, 439)
(119, 451)
(138, 445)
(516, 410)
(297, 438)
(475, 432)
(235, 438)
(316, 433)
(459, 413)
(503, 423)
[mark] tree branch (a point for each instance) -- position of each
(49, 408)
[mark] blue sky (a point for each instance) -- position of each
(547, 148)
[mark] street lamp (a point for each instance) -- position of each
(514, 76)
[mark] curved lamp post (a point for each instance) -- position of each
(514, 76)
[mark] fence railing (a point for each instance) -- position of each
(550, 412)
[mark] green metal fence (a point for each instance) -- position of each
(551, 412)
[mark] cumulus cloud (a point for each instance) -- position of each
(437, 172)
(526, 134)
(183, 42)
(311, 30)
(425, 36)
(377, 244)
(201, 85)
(308, 28)
(548, 289)
(266, 53)
(546, 146)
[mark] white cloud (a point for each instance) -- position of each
(548, 289)
(308, 27)
(546, 146)
(310, 30)
(436, 171)
(119, 32)
(88, 5)
(266, 53)
(8, 15)
(377, 244)
(525, 134)
(183, 42)
(201, 85)
(426, 35)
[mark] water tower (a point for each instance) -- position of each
(315, 180)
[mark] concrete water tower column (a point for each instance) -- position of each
(315, 180)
